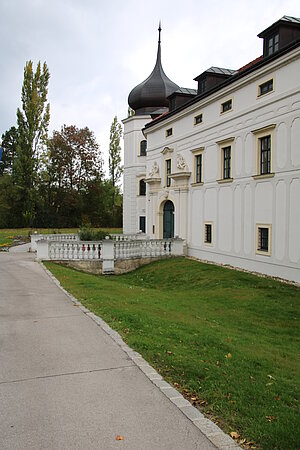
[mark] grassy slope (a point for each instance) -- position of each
(226, 338)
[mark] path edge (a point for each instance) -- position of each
(209, 429)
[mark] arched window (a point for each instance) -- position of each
(142, 187)
(143, 148)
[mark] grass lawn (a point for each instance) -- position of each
(227, 340)
(8, 235)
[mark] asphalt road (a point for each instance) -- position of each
(65, 384)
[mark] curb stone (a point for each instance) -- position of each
(210, 430)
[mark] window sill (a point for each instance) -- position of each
(263, 176)
(226, 112)
(225, 180)
(264, 253)
(142, 156)
(197, 184)
(263, 95)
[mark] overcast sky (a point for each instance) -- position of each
(97, 50)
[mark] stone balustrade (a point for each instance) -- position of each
(63, 250)
(51, 237)
(150, 248)
(129, 237)
(108, 252)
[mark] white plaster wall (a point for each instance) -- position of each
(237, 207)
(134, 168)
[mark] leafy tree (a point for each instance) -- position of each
(75, 157)
(9, 145)
(33, 122)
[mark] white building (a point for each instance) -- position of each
(222, 164)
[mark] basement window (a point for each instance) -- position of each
(169, 132)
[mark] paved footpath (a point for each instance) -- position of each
(65, 383)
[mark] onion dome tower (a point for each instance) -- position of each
(150, 96)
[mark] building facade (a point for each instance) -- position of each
(221, 165)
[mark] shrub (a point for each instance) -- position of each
(86, 233)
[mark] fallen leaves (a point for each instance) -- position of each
(234, 435)
(228, 356)
(270, 418)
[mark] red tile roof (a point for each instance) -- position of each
(250, 64)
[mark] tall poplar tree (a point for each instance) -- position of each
(114, 162)
(33, 121)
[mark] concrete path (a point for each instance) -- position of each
(66, 384)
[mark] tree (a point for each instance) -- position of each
(9, 145)
(115, 168)
(33, 122)
(75, 163)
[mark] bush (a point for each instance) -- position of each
(86, 233)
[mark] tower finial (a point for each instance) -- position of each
(159, 31)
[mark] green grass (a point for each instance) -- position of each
(8, 235)
(227, 339)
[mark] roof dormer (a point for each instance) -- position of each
(280, 34)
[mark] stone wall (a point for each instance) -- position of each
(121, 266)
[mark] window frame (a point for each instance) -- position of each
(169, 132)
(259, 250)
(200, 115)
(272, 36)
(261, 134)
(140, 182)
(259, 89)
(229, 100)
(205, 241)
(145, 150)
(140, 229)
(168, 171)
(225, 144)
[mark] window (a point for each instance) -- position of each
(225, 161)
(265, 155)
(169, 132)
(272, 44)
(264, 150)
(226, 157)
(266, 87)
(198, 119)
(263, 239)
(208, 233)
(198, 168)
(226, 106)
(168, 172)
(201, 86)
(143, 148)
(142, 187)
(142, 227)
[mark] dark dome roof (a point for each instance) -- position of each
(151, 95)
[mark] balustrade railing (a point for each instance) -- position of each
(108, 250)
(129, 237)
(52, 237)
(149, 248)
(74, 250)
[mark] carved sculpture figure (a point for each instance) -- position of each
(154, 171)
(181, 164)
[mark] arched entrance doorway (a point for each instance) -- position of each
(168, 220)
